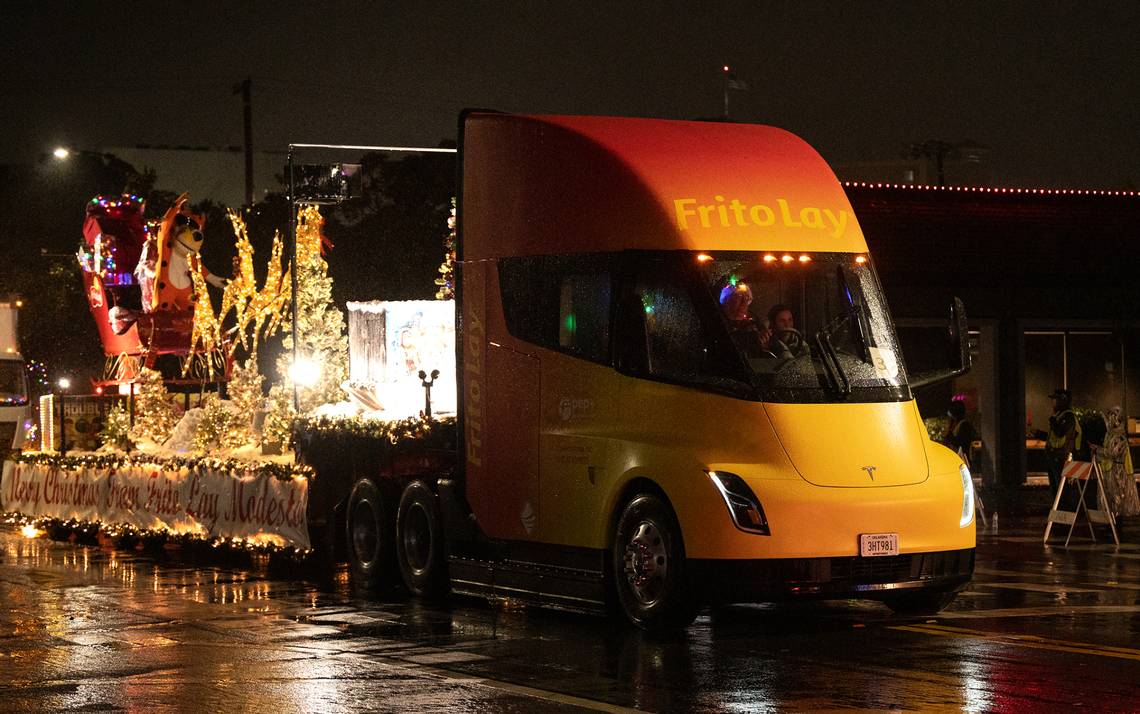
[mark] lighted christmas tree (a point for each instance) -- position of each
(220, 427)
(446, 279)
(278, 429)
(245, 394)
(155, 415)
(322, 347)
(117, 429)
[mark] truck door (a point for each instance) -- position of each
(500, 412)
(579, 403)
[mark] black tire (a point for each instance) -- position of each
(920, 603)
(369, 536)
(419, 542)
(648, 565)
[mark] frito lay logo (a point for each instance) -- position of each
(733, 213)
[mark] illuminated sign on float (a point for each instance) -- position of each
(389, 342)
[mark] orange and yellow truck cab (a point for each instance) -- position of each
(679, 381)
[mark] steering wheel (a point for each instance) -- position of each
(789, 337)
(779, 334)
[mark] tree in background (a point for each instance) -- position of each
(446, 279)
(42, 208)
(389, 238)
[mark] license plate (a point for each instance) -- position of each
(875, 544)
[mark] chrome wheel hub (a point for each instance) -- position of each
(645, 563)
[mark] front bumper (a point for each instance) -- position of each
(732, 580)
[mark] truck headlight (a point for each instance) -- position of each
(967, 496)
(743, 506)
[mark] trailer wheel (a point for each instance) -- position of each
(419, 542)
(648, 560)
(369, 531)
(920, 603)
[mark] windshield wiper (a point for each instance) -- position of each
(856, 306)
(830, 358)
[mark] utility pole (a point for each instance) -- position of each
(730, 83)
(247, 123)
(726, 71)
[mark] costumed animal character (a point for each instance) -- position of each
(179, 242)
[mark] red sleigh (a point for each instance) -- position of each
(115, 237)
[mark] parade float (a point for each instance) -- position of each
(174, 459)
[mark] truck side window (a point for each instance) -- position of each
(584, 315)
(663, 335)
(672, 329)
(561, 302)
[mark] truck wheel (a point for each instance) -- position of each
(920, 603)
(419, 542)
(369, 531)
(649, 566)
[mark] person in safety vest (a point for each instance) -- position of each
(1064, 435)
(960, 432)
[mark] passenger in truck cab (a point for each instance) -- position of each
(748, 335)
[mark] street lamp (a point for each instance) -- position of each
(61, 153)
(64, 383)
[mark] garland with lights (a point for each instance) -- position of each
(431, 432)
(59, 529)
(993, 189)
(37, 372)
(118, 460)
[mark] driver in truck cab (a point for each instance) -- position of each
(777, 338)
(782, 329)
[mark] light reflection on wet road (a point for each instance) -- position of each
(84, 627)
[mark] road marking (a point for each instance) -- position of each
(1030, 641)
(515, 689)
(1037, 587)
(1050, 611)
(401, 661)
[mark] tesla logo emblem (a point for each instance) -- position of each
(870, 471)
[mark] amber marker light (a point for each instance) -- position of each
(769, 258)
(805, 258)
(787, 259)
(860, 259)
(704, 258)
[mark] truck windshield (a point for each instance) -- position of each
(763, 326)
(809, 327)
(13, 383)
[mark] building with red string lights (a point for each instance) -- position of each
(1049, 281)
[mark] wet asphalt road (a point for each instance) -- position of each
(89, 628)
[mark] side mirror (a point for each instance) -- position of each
(957, 351)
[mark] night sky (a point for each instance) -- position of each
(1052, 88)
